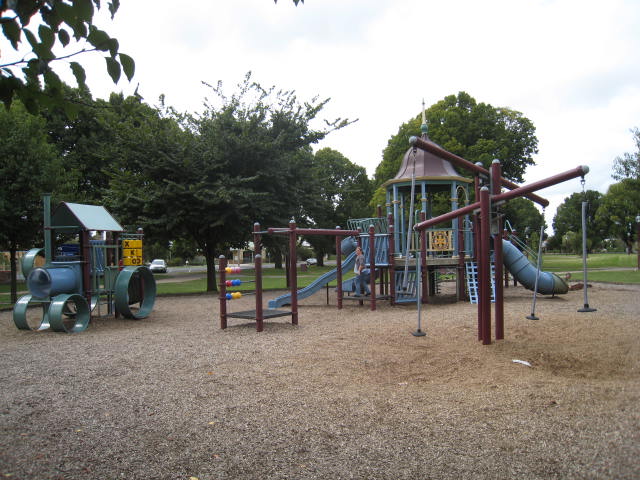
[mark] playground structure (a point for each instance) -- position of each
(467, 240)
(488, 226)
(70, 281)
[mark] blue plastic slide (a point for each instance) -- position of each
(525, 272)
(316, 285)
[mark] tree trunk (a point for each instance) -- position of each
(14, 273)
(277, 259)
(209, 253)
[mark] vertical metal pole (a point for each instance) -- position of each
(339, 268)
(85, 247)
(419, 332)
(586, 307)
(496, 182)
(392, 265)
(424, 279)
(48, 247)
(477, 230)
(535, 284)
(259, 311)
(460, 280)
(222, 265)
(638, 239)
(372, 266)
(485, 301)
(294, 274)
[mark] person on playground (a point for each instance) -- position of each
(358, 269)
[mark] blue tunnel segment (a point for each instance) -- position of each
(525, 272)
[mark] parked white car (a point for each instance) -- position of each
(158, 266)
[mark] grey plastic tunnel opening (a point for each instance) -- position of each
(135, 285)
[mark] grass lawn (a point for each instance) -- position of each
(570, 263)
(602, 267)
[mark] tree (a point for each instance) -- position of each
(475, 131)
(341, 190)
(61, 24)
(618, 210)
(245, 159)
(628, 166)
(29, 166)
(523, 217)
(568, 219)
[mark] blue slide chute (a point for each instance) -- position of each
(525, 272)
(316, 285)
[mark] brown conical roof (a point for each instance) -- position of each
(427, 167)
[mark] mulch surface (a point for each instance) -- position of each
(346, 394)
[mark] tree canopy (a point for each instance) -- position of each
(475, 131)
(340, 191)
(29, 167)
(49, 26)
(247, 158)
(628, 165)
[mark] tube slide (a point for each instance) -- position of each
(525, 272)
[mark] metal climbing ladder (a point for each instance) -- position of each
(472, 282)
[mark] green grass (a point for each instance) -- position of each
(601, 269)
(569, 263)
(609, 276)
(271, 280)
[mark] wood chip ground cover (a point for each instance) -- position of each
(346, 394)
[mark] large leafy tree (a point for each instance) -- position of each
(628, 165)
(29, 166)
(475, 131)
(246, 158)
(523, 217)
(48, 27)
(85, 142)
(618, 210)
(568, 219)
(341, 190)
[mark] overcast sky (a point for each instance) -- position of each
(571, 66)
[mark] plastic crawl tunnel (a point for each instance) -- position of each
(69, 284)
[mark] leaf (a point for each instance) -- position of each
(113, 46)
(83, 9)
(128, 65)
(64, 37)
(98, 38)
(113, 7)
(11, 30)
(47, 36)
(79, 73)
(52, 82)
(113, 68)
(31, 38)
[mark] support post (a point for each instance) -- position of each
(372, 266)
(460, 276)
(392, 265)
(259, 311)
(485, 300)
(496, 177)
(222, 265)
(292, 272)
(339, 269)
(424, 273)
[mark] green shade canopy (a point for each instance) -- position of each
(83, 217)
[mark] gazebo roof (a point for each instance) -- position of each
(427, 167)
(84, 217)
